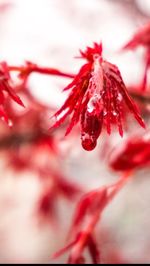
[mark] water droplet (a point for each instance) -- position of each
(88, 143)
(92, 103)
(90, 107)
(119, 97)
(114, 113)
(104, 113)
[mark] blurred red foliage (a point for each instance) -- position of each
(98, 99)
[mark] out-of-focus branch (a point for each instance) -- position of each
(30, 68)
(141, 97)
(15, 140)
(89, 212)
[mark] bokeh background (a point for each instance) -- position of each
(50, 32)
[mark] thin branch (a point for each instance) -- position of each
(31, 68)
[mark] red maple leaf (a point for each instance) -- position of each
(96, 99)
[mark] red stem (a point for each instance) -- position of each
(41, 70)
(89, 228)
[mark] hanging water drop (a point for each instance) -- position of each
(88, 142)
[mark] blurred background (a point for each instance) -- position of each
(50, 33)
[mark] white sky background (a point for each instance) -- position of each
(50, 32)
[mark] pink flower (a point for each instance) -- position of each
(96, 99)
